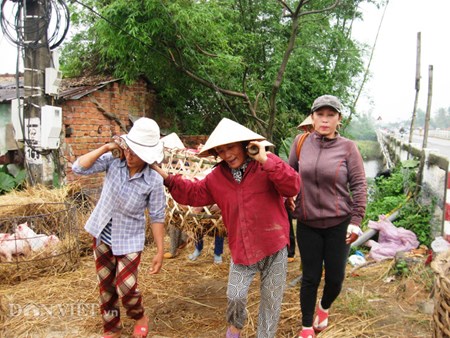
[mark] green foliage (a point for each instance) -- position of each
(362, 128)
(285, 148)
(416, 217)
(214, 59)
(369, 150)
(395, 193)
(401, 268)
(8, 181)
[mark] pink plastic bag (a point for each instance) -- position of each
(390, 240)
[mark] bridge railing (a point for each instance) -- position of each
(434, 176)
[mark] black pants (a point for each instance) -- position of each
(292, 241)
(321, 248)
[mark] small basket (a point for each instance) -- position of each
(441, 315)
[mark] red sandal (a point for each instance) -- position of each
(140, 331)
(321, 319)
(306, 333)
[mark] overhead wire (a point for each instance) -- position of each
(35, 34)
(46, 29)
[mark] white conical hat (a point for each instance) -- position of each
(172, 141)
(306, 122)
(228, 131)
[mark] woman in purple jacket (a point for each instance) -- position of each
(250, 192)
(328, 209)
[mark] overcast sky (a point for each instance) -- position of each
(390, 92)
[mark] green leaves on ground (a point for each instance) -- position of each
(388, 194)
(8, 181)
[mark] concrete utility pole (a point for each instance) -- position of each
(427, 114)
(425, 134)
(37, 58)
(411, 129)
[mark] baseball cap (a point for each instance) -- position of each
(327, 101)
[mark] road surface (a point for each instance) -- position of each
(440, 145)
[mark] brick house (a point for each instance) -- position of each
(94, 109)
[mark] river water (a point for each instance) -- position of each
(373, 167)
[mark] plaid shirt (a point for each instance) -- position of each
(124, 200)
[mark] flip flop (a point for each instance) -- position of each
(140, 331)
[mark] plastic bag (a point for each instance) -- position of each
(440, 245)
(390, 240)
(357, 259)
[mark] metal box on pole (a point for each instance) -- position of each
(51, 125)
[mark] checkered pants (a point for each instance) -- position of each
(272, 271)
(117, 278)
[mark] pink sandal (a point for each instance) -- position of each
(306, 333)
(321, 319)
(140, 331)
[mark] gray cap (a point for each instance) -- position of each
(327, 101)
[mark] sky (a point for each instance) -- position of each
(390, 92)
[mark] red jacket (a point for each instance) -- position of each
(334, 185)
(253, 211)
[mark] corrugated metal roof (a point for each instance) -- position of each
(8, 90)
(75, 93)
(71, 89)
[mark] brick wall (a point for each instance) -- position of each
(193, 141)
(87, 128)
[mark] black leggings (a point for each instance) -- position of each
(321, 248)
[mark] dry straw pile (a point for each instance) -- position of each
(49, 212)
(188, 299)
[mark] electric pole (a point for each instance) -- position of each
(36, 59)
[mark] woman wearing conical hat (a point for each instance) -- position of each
(249, 187)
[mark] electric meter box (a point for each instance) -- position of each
(52, 81)
(51, 125)
(17, 118)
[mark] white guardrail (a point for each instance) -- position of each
(445, 134)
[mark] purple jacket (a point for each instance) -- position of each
(333, 182)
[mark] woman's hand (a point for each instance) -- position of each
(353, 232)
(261, 155)
(290, 203)
(156, 264)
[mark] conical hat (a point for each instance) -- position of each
(172, 141)
(228, 131)
(306, 122)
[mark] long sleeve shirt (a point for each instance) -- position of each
(253, 210)
(333, 181)
(124, 200)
